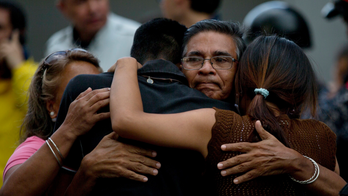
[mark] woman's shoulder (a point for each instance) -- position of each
(32, 142)
(310, 136)
(312, 124)
(226, 118)
(24, 151)
(222, 112)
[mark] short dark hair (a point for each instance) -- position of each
(17, 17)
(158, 38)
(206, 6)
(226, 27)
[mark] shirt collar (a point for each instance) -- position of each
(163, 68)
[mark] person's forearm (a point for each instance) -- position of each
(125, 98)
(82, 184)
(328, 183)
(35, 175)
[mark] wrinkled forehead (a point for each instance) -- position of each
(211, 43)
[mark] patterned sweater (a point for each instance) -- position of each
(309, 137)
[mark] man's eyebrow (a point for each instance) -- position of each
(221, 53)
(195, 53)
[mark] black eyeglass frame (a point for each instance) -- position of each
(211, 63)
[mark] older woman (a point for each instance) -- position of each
(38, 158)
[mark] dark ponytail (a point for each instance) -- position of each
(279, 66)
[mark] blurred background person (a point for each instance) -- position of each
(333, 108)
(188, 12)
(336, 8)
(277, 17)
(333, 103)
(93, 27)
(16, 70)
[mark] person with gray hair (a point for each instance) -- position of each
(209, 40)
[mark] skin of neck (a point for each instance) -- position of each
(85, 36)
(193, 17)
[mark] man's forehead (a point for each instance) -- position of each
(212, 43)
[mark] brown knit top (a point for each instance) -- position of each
(309, 137)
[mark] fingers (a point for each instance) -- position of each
(246, 177)
(102, 116)
(238, 147)
(112, 68)
(261, 131)
(15, 36)
(93, 93)
(98, 101)
(139, 65)
(233, 162)
(89, 89)
(134, 176)
(141, 151)
(143, 165)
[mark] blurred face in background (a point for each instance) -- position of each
(173, 9)
(5, 24)
(87, 16)
(5, 33)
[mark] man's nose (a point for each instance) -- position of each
(92, 6)
(207, 67)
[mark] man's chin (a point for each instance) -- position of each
(211, 93)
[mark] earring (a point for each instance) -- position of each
(53, 119)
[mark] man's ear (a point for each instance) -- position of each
(53, 111)
(179, 65)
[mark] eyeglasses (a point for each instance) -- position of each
(50, 59)
(217, 62)
(59, 55)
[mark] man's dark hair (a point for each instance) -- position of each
(225, 27)
(158, 38)
(17, 17)
(206, 6)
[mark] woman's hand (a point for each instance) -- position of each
(125, 60)
(113, 159)
(83, 112)
(264, 158)
(11, 51)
